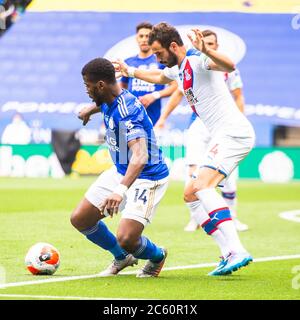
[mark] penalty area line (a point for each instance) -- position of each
(92, 276)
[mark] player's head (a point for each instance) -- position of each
(142, 35)
(210, 39)
(99, 76)
(165, 42)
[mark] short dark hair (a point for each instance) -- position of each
(99, 69)
(164, 33)
(144, 25)
(208, 32)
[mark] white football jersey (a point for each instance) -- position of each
(208, 95)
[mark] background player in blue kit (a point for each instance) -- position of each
(148, 93)
(134, 185)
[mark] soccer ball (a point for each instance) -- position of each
(42, 259)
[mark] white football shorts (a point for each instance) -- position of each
(226, 150)
(140, 201)
(197, 139)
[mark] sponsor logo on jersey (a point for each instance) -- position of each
(133, 131)
(189, 94)
(112, 143)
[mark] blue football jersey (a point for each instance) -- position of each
(126, 119)
(140, 87)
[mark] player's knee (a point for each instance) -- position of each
(189, 194)
(127, 241)
(190, 198)
(77, 221)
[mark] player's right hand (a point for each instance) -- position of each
(84, 115)
(160, 124)
(121, 68)
(197, 41)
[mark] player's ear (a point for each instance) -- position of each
(100, 84)
(173, 46)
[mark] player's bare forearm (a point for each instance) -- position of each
(137, 161)
(172, 103)
(166, 92)
(239, 99)
(220, 62)
(152, 76)
(94, 109)
(86, 113)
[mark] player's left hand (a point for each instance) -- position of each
(197, 40)
(147, 99)
(111, 204)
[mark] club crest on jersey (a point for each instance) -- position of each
(111, 123)
(187, 75)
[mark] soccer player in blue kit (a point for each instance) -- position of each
(134, 185)
(149, 94)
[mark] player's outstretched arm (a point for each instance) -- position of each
(219, 61)
(86, 112)
(149, 98)
(170, 106)
(239, 99)
(153, 76)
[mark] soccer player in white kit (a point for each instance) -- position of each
(198, 136)
(233, 135)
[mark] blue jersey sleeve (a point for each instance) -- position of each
(134, 126)
(125, 80)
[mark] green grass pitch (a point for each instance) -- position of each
(38, 210)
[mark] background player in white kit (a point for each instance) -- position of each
(198, 137)
(233, 135)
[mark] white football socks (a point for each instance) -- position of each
(212, 202)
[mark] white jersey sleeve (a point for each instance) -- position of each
(171, 73)
(234, 80)
(204, 61)
(200, 62)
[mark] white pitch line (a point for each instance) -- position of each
(293, 215)
(61, 297)
(194, 266)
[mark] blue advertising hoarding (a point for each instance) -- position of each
(42, 55)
